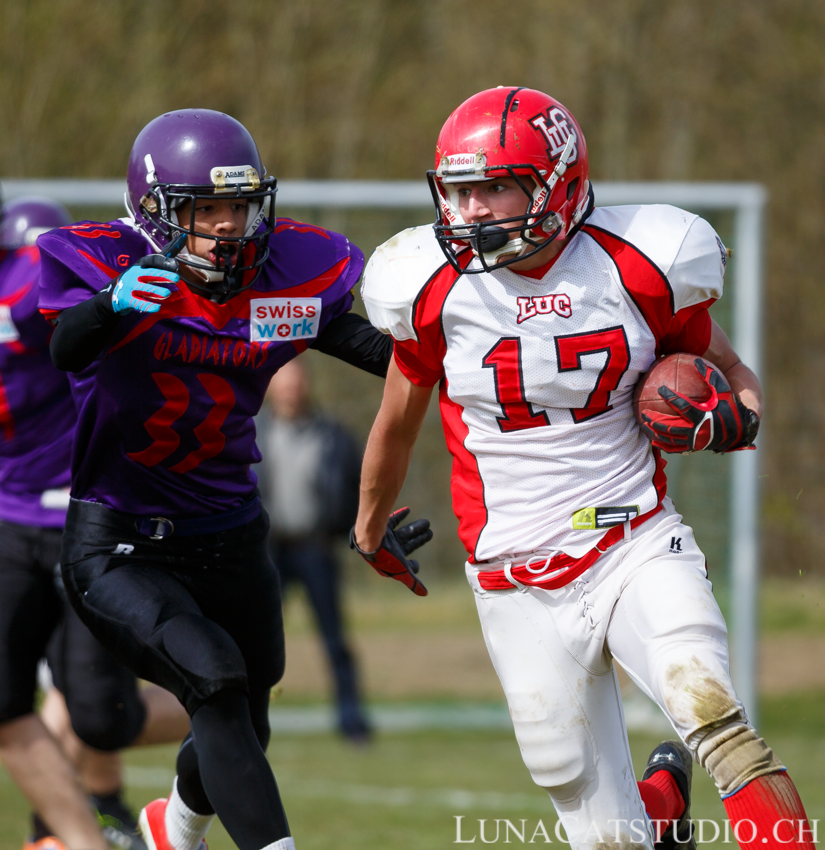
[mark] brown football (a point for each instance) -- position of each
(676, 371)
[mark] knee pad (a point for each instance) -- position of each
(108, 724)
(734, 754)
(204, 656)
(561, 758)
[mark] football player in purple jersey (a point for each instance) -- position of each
(95, 695)
(36, 422)
(172, 322)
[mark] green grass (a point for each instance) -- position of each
(405, 790)
(793, 605)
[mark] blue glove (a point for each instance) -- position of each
(136, 289)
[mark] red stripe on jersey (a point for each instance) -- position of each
(6, 416)
(465, 484)
(541, 271)
(421, 360)
(301, 227)
(642, 279)
(50, 315)
(311, 287)
(108, 270)
(651, 293)
(17, 296)
(216, 314)
(691, 334)
(92, 231)
(32, 252)
(659, 477)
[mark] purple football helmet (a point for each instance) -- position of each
(24, 219)
(199, 153)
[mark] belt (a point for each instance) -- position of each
(559, 570)
(159, 527)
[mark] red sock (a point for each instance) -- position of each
(769, 814)
(663, 802)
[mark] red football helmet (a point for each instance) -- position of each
(519, 133)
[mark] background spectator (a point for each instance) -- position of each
(309, 484)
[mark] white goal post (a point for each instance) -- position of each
(747, 203)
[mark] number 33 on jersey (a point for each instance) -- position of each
(539, 371)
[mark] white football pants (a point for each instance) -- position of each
(646, 602)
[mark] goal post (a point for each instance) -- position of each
(746, 202)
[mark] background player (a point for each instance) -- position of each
(537, 328)
(94, 692)
(36, 419)
(309, 480)
(165, 549)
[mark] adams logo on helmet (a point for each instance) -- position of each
(244, 176)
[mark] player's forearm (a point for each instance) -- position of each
(746, 385)
(82, 332)
(742, 380)
(388, 453)
(354, 340)
(386, 462)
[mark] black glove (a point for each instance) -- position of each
(390, 558)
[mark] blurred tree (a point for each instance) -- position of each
(684, 90)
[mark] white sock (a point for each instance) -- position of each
(185, 829)
(281, 844)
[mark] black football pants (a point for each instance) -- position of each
(200, 616)
(102, 696)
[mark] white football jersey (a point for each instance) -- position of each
(537, 374)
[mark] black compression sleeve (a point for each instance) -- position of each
(354, 340)
(82, 332)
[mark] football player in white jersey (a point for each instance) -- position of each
(536, 314)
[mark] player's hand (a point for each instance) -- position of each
(141, 289)
(720, 424)
(390, 558)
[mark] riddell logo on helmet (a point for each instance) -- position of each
(543, 305)
(556, 128)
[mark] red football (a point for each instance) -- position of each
(676, 371)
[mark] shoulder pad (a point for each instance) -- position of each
(684, 246)
(396, 273)
(657, 230)
(81, 259)
(95, 251)
(305, 260)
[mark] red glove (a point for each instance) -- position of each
(390, 558)
(720, 424)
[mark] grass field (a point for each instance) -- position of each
(406, 789)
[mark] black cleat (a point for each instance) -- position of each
(118, 823)
(675, 758)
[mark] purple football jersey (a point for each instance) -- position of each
(165, 413)
(37, 414)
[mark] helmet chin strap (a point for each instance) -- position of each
(513, 246)
(210, 275)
